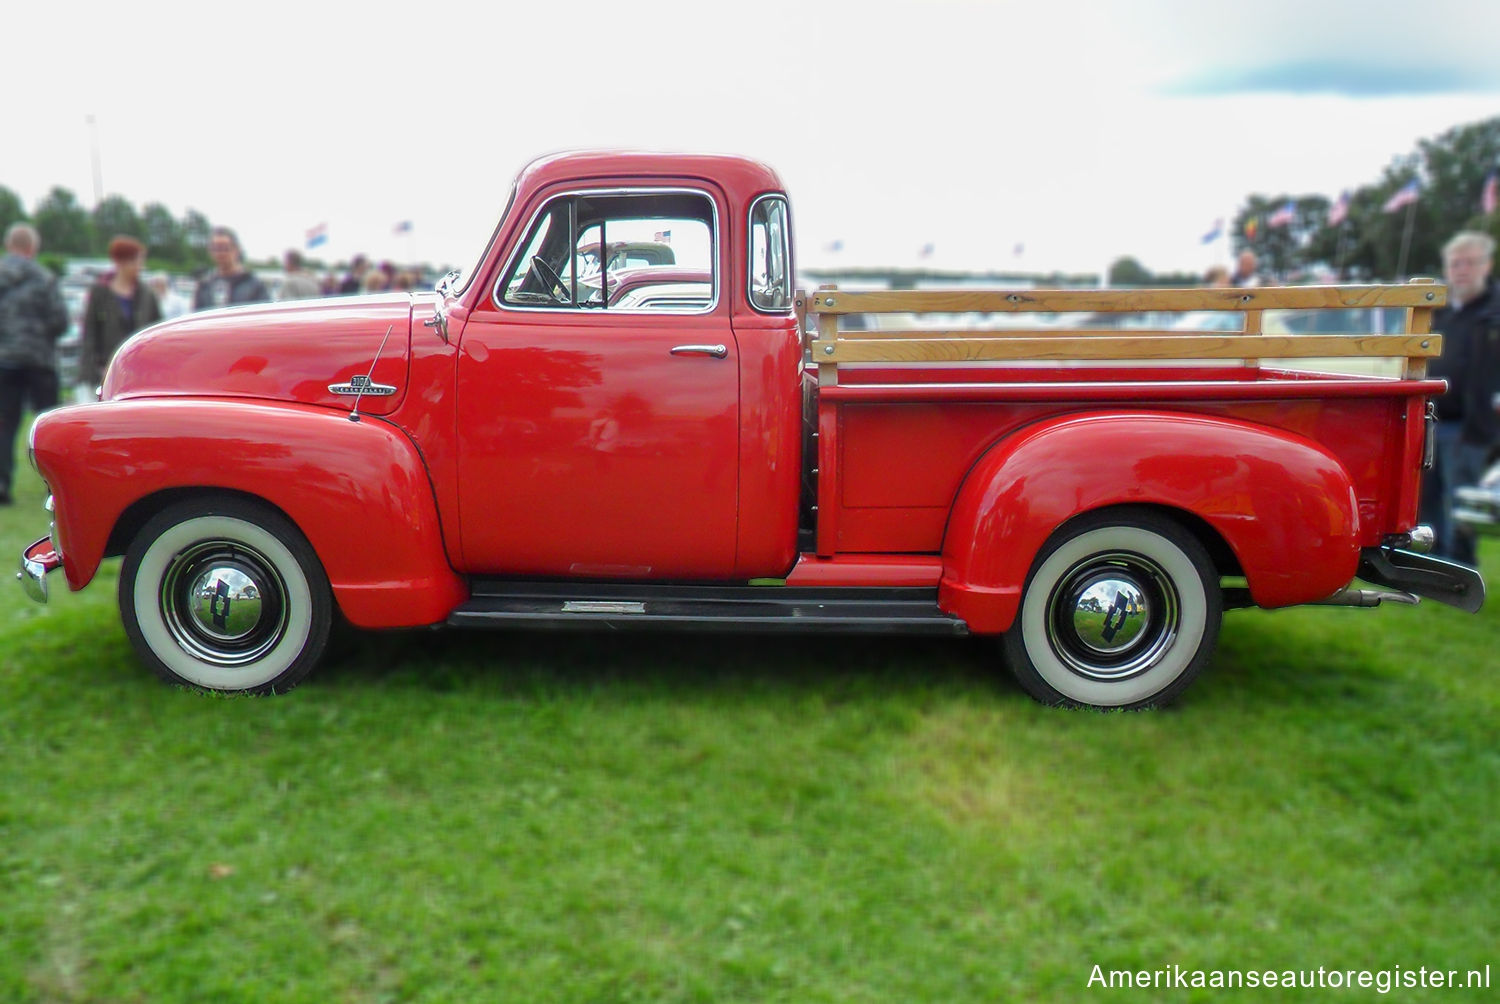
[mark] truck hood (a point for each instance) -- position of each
(281, 352)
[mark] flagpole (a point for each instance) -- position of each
(1411, 212)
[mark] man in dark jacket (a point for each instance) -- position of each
(32, 315)
(1468, 426)
(230, 283)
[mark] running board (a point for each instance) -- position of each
(608, 606)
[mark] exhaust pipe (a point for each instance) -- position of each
(1366, 598)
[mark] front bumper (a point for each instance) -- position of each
(36, 561)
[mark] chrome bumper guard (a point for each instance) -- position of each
(36, 561)
(1423, 575)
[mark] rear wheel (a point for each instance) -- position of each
(1121, 610)
(225, 595)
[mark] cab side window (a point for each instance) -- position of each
(770, 255)
(609, 250)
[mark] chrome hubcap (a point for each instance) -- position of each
(223, 603)
(1110, 613)
(1113, 616)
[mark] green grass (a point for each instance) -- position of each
(457, 817)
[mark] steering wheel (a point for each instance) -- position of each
(553, 280)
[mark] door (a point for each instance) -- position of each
(599, 424)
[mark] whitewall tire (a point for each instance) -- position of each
(1121, 610)
(225, 595)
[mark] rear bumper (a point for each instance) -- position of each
(1433, 578)
(36, 561)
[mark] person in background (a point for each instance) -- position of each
(300, 284)
(230, 282)
(1216, 277)
(119, 304)
(354, 282)
(375, 281)
(173, 304)
(32, 315)
(1468, 427)
(1245, 273)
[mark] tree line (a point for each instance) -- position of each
(1301, 235)
(1449, 171)
(68, 229)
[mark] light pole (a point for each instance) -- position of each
(98, 161)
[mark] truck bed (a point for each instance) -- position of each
(904, 416)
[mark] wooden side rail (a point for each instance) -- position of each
(834, 345)
(831, 300)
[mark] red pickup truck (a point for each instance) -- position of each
(513, 450)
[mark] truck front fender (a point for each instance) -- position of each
(358, 491)
(1285, 506)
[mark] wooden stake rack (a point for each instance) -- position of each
(834, 346)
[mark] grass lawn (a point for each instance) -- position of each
(462, 817)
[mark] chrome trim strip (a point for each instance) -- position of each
(602, 607)
(750, 259)
(515, 253)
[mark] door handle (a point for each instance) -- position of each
(717, 351)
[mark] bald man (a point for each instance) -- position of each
(32, 315)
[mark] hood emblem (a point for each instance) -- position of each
(361, 385)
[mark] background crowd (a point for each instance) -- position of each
(121, 302)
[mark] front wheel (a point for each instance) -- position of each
(225, 595)
(1121, 610)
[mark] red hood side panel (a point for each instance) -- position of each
(280, 352)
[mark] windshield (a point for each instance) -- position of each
(456, 285)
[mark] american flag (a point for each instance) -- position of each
(663, 237)
(404, 227)
(317, 236)
(1340, 210)
(1488, 196)
(1283, 216)
(1404, 196)
(1214, 232)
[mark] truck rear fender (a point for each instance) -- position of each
(1282, 505)
(358, 491)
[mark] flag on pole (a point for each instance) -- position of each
(1488, 196)
(317, 236)
(834, 246)
(1283, 216)
(1251, 226)
(1340, 210)
(1214, 232)
(404, 227)
(663, 236)
(927, 250)
(1405, 196)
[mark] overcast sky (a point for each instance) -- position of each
(1081, 130)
